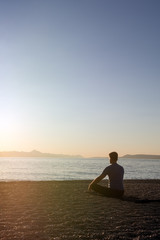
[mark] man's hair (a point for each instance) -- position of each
(113, 156)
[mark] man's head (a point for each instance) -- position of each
(113, 157)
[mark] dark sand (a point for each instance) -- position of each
(64, 210)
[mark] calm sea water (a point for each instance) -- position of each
(37, 169)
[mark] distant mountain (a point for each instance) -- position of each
(35, 153)
(142, 156)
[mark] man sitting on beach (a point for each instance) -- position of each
(115, 173)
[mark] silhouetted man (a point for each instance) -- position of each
(115, 173)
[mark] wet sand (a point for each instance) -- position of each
(65, 210)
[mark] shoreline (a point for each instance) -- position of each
(64, 210)
(80, 180)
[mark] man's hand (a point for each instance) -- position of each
(89, 187)
(96, 180)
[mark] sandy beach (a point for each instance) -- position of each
(65, 210)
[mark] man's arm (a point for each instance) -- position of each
(96, 180)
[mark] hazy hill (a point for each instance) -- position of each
(142, 156)
(35, 153)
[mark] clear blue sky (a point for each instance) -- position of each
(80, 77)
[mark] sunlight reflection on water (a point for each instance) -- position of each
(73, 169)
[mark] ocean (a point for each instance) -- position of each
(46, 169)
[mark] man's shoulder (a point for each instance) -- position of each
(120, 167)
(117, 166)
(106, 169)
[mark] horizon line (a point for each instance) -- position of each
(36, 152)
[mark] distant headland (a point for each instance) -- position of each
(142, 156)
(36, 153)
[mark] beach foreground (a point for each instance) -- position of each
(65, 210)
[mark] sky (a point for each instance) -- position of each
(80, 76)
